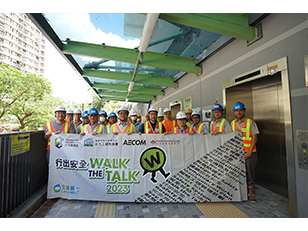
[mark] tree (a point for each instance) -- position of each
(22, 96)
(98, 103)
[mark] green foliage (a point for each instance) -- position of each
(98, 103)
(25, 99)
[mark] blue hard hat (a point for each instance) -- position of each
(217, 106)
(238, 106)
(112, 114)
(84, 114)
(103, 113)
(93, 111)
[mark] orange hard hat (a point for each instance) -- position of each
(188, 111)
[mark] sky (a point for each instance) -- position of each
(93, 28)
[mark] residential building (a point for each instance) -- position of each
(22, 45)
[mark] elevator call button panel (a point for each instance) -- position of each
(302, 148)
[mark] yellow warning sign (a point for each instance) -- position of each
(20, 143)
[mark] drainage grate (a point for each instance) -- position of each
(45, 208)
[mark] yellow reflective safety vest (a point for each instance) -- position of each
(65, 129)
(128, 129)
(246, 133)
(99, 129)
(149, 130)
(176, 130)
(219, 127)
(108, 128)
(199, 128)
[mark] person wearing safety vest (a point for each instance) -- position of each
(85, 120)
(69, 117)
(133, 116)
(112, 120)
(123, 125)
(220, 124)
(182, 127)
(189, 117)
(60, 125)
(139, 118)
(93, 127)
(103, 117)
(198, 127)
(152, 126)
(77, 116)
(250, 133)
(160, 117)
(168, 122)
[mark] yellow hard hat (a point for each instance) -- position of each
(188, 111)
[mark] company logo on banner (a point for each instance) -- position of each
(134, 142)
(88, 142)
(152, 160)
(156, 168)
(59, 142)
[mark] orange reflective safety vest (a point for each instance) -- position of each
(99, 129)
(129, 128)
(169, 125)
(219, 127)
(246, 133)
(199, 128)
(149, 130)
(65, 129)
(176, 130)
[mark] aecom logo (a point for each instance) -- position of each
(134, 142)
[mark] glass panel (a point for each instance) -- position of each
(125, 30)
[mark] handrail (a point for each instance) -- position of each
(21, 175)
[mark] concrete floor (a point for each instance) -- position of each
(269, 205)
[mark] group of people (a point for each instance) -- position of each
(188, 122)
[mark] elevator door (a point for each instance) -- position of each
(174, 109)
(263, 100)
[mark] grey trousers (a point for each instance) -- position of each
(251, 164)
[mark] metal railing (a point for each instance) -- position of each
(21, 175)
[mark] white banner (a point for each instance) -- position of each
(147, 168)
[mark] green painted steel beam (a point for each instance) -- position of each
(124, 94)
(136, 89)
(123, 99)
(232, 24)
(152, 59)
(127, 77)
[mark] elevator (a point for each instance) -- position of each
(262, 93)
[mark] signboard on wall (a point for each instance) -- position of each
(187, 103)
(147, 168)
(20, 143)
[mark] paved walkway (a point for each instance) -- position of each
(269, 205)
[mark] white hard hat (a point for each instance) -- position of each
(77, 111)
(133, 112)
(152, 109)
(60, 108)
(166, 109)
(123, 108)
(181, 115)
(69, 111)
(160, 114)
(196, 113)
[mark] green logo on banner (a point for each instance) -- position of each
(152, 160)
(59, 142)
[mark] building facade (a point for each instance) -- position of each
(271, 78)
(22, 45)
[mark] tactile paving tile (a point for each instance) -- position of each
(220, 210)
(105, 209)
